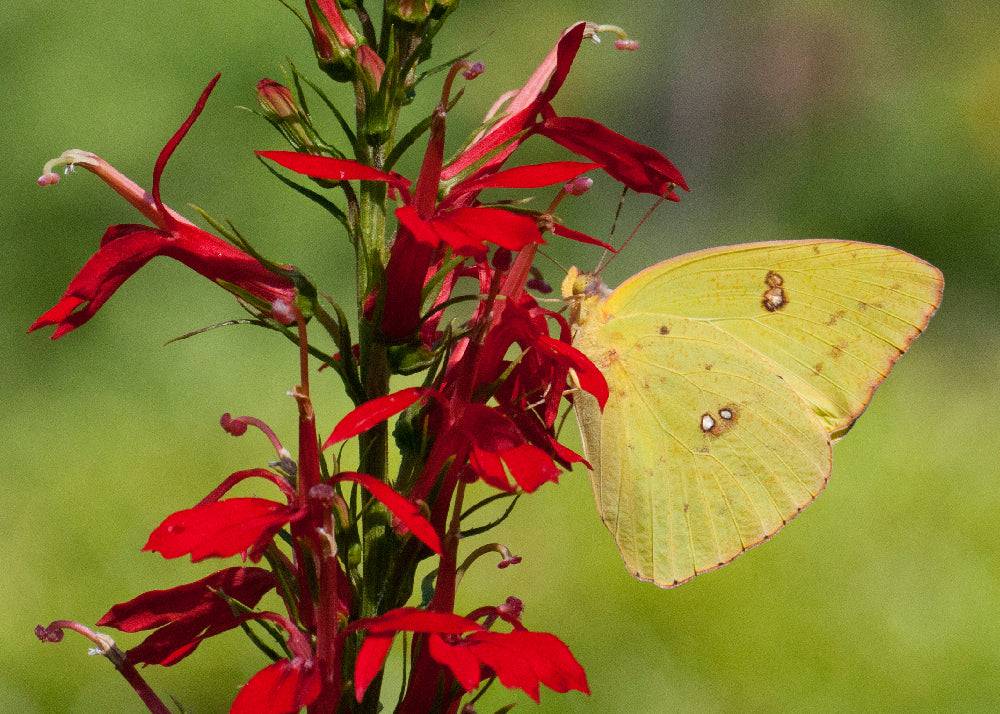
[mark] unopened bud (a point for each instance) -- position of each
(474, 70)
(409, 10)
(48, 179)
(578, 186)
(276, 99)
(626, 45)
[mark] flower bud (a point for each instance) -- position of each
(275, 98)
(413, 11)
(333, 39)
(626, 45)
(578, 186)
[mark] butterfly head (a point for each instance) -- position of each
(582, 292)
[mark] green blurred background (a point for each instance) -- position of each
(876, 121)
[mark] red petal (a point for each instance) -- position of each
(125, 249)
(404, 509)
(532, 176)
(413, 619)
(220, 529)
(458, 659)
(523, 660)
(468, 229)
(323, 167)
(199, 599)
(530, 466)
(171, 145)
(374, 411)
(636, 165)
(371, 659)
(561, 230)
(591, 378)
(540, 89)
(282, 688)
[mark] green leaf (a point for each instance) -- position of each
(320, 200)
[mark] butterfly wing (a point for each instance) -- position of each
(730, 370)
(831, 317)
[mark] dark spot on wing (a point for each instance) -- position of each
(664, 329)
(837, 350)
(818, 368)
(687, 507)
(708, 367)
(774, 297)
(721, 421)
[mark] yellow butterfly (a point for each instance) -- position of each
(731, 371)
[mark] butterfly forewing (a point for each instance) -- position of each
(832, 316)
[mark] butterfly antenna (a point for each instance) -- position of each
(649, 214)
(614, 225)
(553, 260)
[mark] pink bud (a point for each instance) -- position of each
(276, 98)
(48, 179)
(474, 70)
(627, 45)
(578, 186)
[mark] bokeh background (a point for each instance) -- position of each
(876, 121)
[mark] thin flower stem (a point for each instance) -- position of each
(107, 647)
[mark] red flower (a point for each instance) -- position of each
(498, 447)
(520, 659)
(220, 529)
(374, 411)
(636, 165)
(284, 687)
(186, 614)
(127, 248)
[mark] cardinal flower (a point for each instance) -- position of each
(125, 249)
(185, 615)
(520, 659)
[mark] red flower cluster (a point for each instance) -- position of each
(342, 547)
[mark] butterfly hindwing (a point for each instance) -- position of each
(700, 453)
(730, 372)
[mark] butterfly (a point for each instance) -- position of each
(731, 372)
